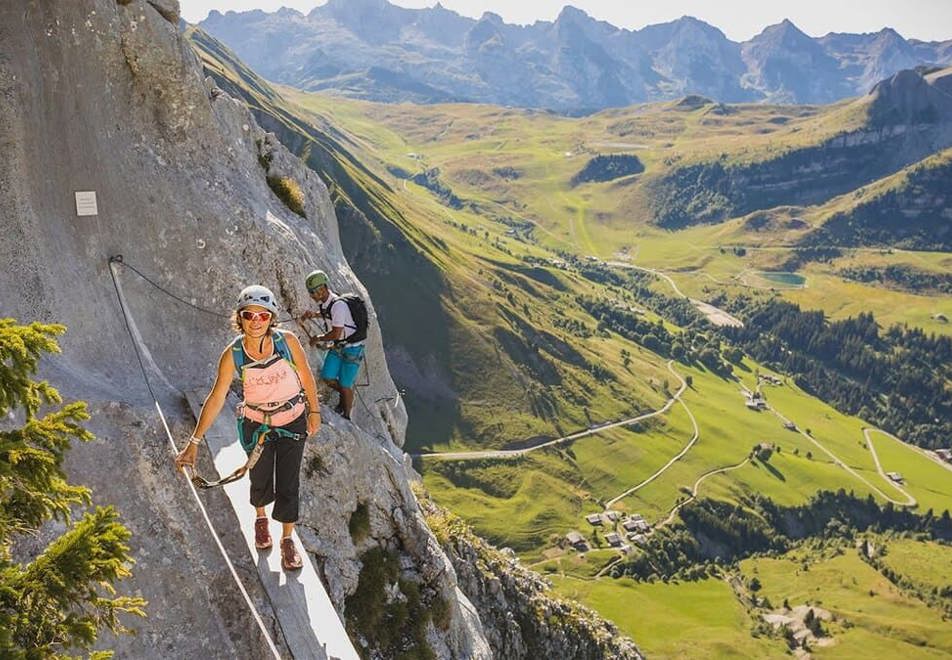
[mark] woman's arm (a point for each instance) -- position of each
(307, 381)
(214, 402)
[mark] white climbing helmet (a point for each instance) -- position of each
(257, 295)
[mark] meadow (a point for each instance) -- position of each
(871, 613)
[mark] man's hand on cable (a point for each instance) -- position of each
(308, 315)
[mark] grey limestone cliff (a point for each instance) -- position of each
(106, 96)
(522, 617)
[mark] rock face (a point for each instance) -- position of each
(787, 66)
(912, 97)
(523, 619)
(376, 50)
(106, 96)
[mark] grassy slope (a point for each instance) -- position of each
(926, 563)
(526, 504)
(879, 616)
(472, 319)
(691, 619)
(548, 492)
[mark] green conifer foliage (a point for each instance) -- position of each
(60, 601)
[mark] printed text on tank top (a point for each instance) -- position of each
(269, 383)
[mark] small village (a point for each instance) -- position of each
(634, 529)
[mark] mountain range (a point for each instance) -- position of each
(372, 49)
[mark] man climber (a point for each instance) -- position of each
(348, 332)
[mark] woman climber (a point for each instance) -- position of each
(280, 411)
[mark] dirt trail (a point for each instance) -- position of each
(715, 315)
(910, 500)
(836, 460)
(697, 486)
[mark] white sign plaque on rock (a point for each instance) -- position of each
(86, 203)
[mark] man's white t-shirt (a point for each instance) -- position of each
(340, 316)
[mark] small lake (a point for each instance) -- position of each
(786, 279)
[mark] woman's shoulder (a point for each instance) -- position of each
(286, 335)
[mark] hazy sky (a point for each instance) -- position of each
(930, 20)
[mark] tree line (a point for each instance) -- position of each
(895, 378)
(713, 532)
(691, 346)
(900, 277)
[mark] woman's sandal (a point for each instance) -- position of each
(262, 535)
(290, 559)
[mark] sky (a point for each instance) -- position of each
(929, 20)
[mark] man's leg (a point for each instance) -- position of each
(351, 357)
(347, 400)
(330, 371)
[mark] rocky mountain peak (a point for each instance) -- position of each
(373, 21)
(692, 31)
(785, 35)
(570, 13)
(343, 6)
(491, 17)
(910, 98)
(526, 65)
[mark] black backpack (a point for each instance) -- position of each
(358, 311)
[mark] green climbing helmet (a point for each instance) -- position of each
(315, 280)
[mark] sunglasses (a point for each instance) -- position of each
(249, 315)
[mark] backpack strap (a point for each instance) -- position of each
(326, 311)
(237, 356)
(280, 347)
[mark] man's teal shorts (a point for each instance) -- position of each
(342, 365)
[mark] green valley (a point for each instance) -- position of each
(561, 299)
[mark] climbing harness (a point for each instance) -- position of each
(135, 345)
(274, 379)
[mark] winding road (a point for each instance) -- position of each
(511, 453)
(653, 271)
(836, 460)
(696, 487)
(715, 315)
(675, 459)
